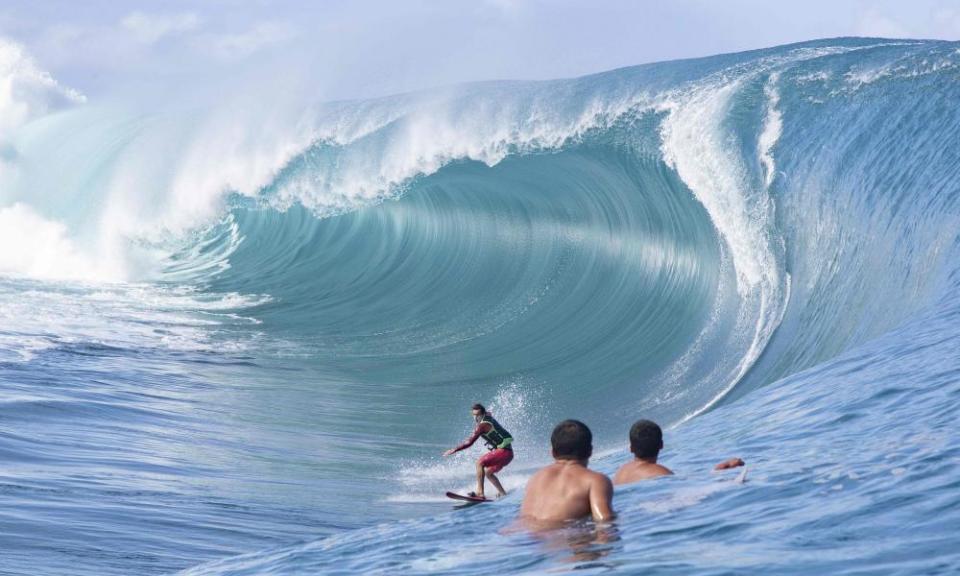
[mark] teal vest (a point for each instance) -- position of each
(497, 436)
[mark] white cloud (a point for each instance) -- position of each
(26, 91)
(243, 44)
(150, 28)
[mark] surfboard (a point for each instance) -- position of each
(742, 478)
(465, 498)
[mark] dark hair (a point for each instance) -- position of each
(479, 407)
(646, 439)
(572, 440)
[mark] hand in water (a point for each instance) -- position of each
(731, 463)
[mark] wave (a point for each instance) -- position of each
(673, 229)
(658, 240)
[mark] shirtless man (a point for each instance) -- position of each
(646, 441)
(567, 489)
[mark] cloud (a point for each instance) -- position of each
(150, 28)
(243, 44)
(27, 91)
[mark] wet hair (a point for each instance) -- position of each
(479, 407)
(571, 440)
(646, 439)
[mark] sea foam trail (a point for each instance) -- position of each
(696, 144)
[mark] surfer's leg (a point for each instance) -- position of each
(496, 483)
(493, 462)
(480, 478)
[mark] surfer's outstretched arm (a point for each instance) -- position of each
(727, 464)
(477, 432)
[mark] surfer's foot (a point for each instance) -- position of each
(475, 495)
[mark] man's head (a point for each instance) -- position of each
(478, 411)
(572, 440)
(646, 439)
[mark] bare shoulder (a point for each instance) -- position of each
(635, 471)
(663, 470)
(542, 475)
(622, 474)
(537, 476)
(599, 479)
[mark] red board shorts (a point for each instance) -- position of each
(495, 460)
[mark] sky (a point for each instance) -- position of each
(339, 49)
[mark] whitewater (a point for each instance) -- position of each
(236, 335)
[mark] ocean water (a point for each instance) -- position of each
(236, 341)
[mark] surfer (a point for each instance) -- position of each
(498, 442)
(567, 489)
(646, 441)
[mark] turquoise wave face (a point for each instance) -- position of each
(757, 248)
(473, 278)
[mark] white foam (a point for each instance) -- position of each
(138, 316)
(819, 76)
(697, 145)
(772, 126)
(383, 144)
(904, 67)
(862, 76)
(35, 247)
(685, 497)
